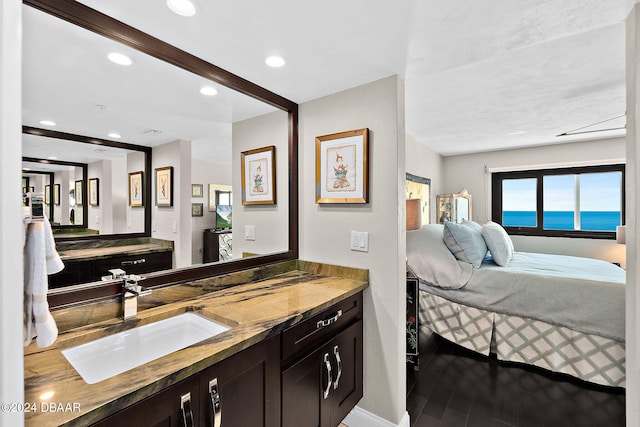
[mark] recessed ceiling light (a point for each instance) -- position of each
(52, 158)
(274, 61)
(47, 123)
(115, 135)
(209, 91)
(182, 7)
(520, 132)
(119, 58)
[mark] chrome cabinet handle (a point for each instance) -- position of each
(185, 406)
(134, 262)
(329, 321)
(327, 364)
(215, 402)
(336, 353)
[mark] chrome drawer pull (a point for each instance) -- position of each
(336, 352)
(327, 364)
(215, 402)
(329, 321)
(134, 262)
(185, 406)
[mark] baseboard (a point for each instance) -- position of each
(358, 417)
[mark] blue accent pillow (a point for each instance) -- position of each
(498, 242)
(465, 241)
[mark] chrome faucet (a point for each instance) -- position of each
(130, 293)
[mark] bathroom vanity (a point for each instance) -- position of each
(89, 260)
(292, 356)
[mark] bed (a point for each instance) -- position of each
(561, 313)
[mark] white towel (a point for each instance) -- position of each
(40, 260)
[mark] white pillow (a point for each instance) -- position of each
(465, 241)
(432, 262)
(498, 242)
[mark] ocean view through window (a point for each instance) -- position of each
(572, 202)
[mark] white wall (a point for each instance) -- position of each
(424, 162)
(96, 217)
(11, 229)
(134, 214)
(633, 208)
(271, 222)
(325, 229)
(469, 171)
(178, 155)
(205, 173)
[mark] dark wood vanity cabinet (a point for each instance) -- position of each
(245, 389)
(310, 375)
(83, 271)
(321, 386)
(163, 409)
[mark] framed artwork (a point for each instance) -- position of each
(259, 176)
(342, 167)
(79, 193)
(47, 194)
(56, 194)
(94, 191)
(196, 209)
(136, 189)
(214, 190)
(164, 186)
(197, 190)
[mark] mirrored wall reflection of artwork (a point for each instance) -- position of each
(417, 187)
(177, 126)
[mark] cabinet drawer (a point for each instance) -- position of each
(309, 333)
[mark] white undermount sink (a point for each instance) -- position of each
(112, 355)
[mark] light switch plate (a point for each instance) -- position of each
(174, 226)
(249, 232)
(360, 241)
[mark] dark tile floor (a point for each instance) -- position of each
(455, 387)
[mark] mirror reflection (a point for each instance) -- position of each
(196, 130)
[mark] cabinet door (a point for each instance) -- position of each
(321, 389)
(163, 409)
(303, 386)
(346, 355)
(243, 390)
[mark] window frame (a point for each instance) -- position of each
(539, 174)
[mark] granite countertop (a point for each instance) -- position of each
(254, 310)
(86, 250)
(96, 253)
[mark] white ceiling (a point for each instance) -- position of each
(475, 72)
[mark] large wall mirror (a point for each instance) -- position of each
(150, 117)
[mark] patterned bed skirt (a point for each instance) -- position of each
(516, 339)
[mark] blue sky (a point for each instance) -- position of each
(598, 192)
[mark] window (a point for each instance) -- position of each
(569, 202)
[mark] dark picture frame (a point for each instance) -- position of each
(94, 191)
(164, 186)
(79, 192)
(197, 209)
